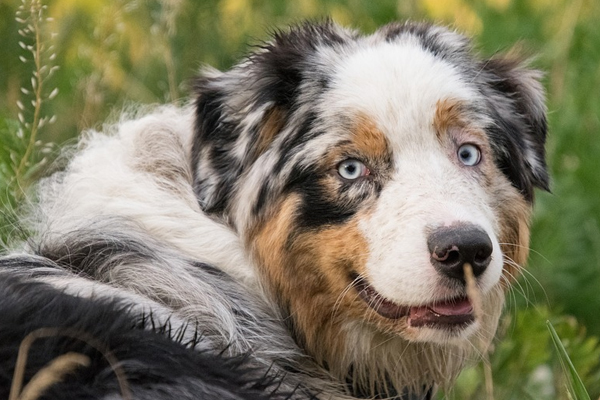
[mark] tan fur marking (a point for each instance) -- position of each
(272, 124)
(268, 241)
(451, 115)
(311, 273)
(514, 236)
(369, 139)
(335, 252)
(367, 142)
(448, 113)
(513, 214)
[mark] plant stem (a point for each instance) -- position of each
(38, 97)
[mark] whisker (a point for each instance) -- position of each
(531, 250)
(341, 296)
(338, 301)
(512, 300)
(516, 286)
(526, 276)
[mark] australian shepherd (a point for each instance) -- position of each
(307, 226)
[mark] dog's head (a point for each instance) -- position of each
(363, 173)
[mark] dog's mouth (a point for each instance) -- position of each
(450, 313)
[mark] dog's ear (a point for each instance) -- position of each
(517, 103)
(240, 113)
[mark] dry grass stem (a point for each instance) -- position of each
(488, 377)
(473, 292)
(53, 373)
(475, 298)
(21, 364)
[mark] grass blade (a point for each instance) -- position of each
(576, 387)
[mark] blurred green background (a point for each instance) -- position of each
(111, 53)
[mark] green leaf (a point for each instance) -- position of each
(576, 388)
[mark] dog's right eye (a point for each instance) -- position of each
(352, 169)
(469, 154)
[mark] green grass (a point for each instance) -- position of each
(576, 389)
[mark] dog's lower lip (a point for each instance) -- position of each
(449, 313)
(377, 302)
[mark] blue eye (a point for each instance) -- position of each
(352, 169)
(469, 154)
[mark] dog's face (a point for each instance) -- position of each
(365, 172)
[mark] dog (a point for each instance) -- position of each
(337, 216)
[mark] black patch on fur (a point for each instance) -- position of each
(431, 39)
(290, 147)
(30, 266)
(317, 208)
(261, 200)
(284, 62)
(218, 136)
(294, 142)
(520, 124)
(155, 364)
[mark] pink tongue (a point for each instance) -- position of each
(457, 307)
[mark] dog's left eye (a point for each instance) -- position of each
(469, 154)
(352, 169)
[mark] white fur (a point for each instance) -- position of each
(108, 178)
(398, 85)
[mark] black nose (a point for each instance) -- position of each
(453, 246)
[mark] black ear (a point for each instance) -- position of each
(517, 104)
(240, 112)
(287, 61)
